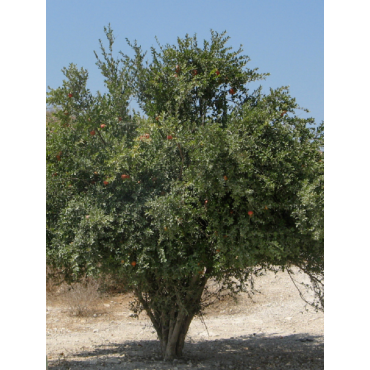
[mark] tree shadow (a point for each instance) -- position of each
(256, 351)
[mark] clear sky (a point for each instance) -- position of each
(282, 37)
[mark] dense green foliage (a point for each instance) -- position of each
(213, 182)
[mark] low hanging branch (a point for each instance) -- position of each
(317, 286)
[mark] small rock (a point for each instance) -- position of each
(106, 305)
(95, 330)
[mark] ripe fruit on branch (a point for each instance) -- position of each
(58, 157)
(133, 263)
(105, 183)
(169, 137)
(206, 201)
(102, 125)
(95, 173)
(284, 112)
(122, 261)
(217, 72)
(119, 118)
(70, 95)
(194, 72)
(92, 133)
(250, 213)
(217, 250)
(225, 177)
(232, 91)
(175, 75)
(177, 69)
(266, 208)
(125, 177)
(157, 118)
(146, 136)
(55, 174)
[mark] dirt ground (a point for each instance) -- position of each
(274, 330)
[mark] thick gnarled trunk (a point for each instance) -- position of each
(171, 308)
(173, 340)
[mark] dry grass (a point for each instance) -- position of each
(79, 298)
(82, 298)
(54, 279)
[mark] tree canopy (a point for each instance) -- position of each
(214, 181)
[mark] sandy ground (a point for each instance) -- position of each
(275, 330)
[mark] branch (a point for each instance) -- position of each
(318, 294)
(101, 137)
(182, 160)
(148, 310)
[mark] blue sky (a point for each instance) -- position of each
(284, 38)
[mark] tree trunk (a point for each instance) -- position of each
(171, 311)
(173, 344)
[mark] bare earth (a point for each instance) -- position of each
(275, 330)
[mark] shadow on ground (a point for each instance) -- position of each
(256, 351)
